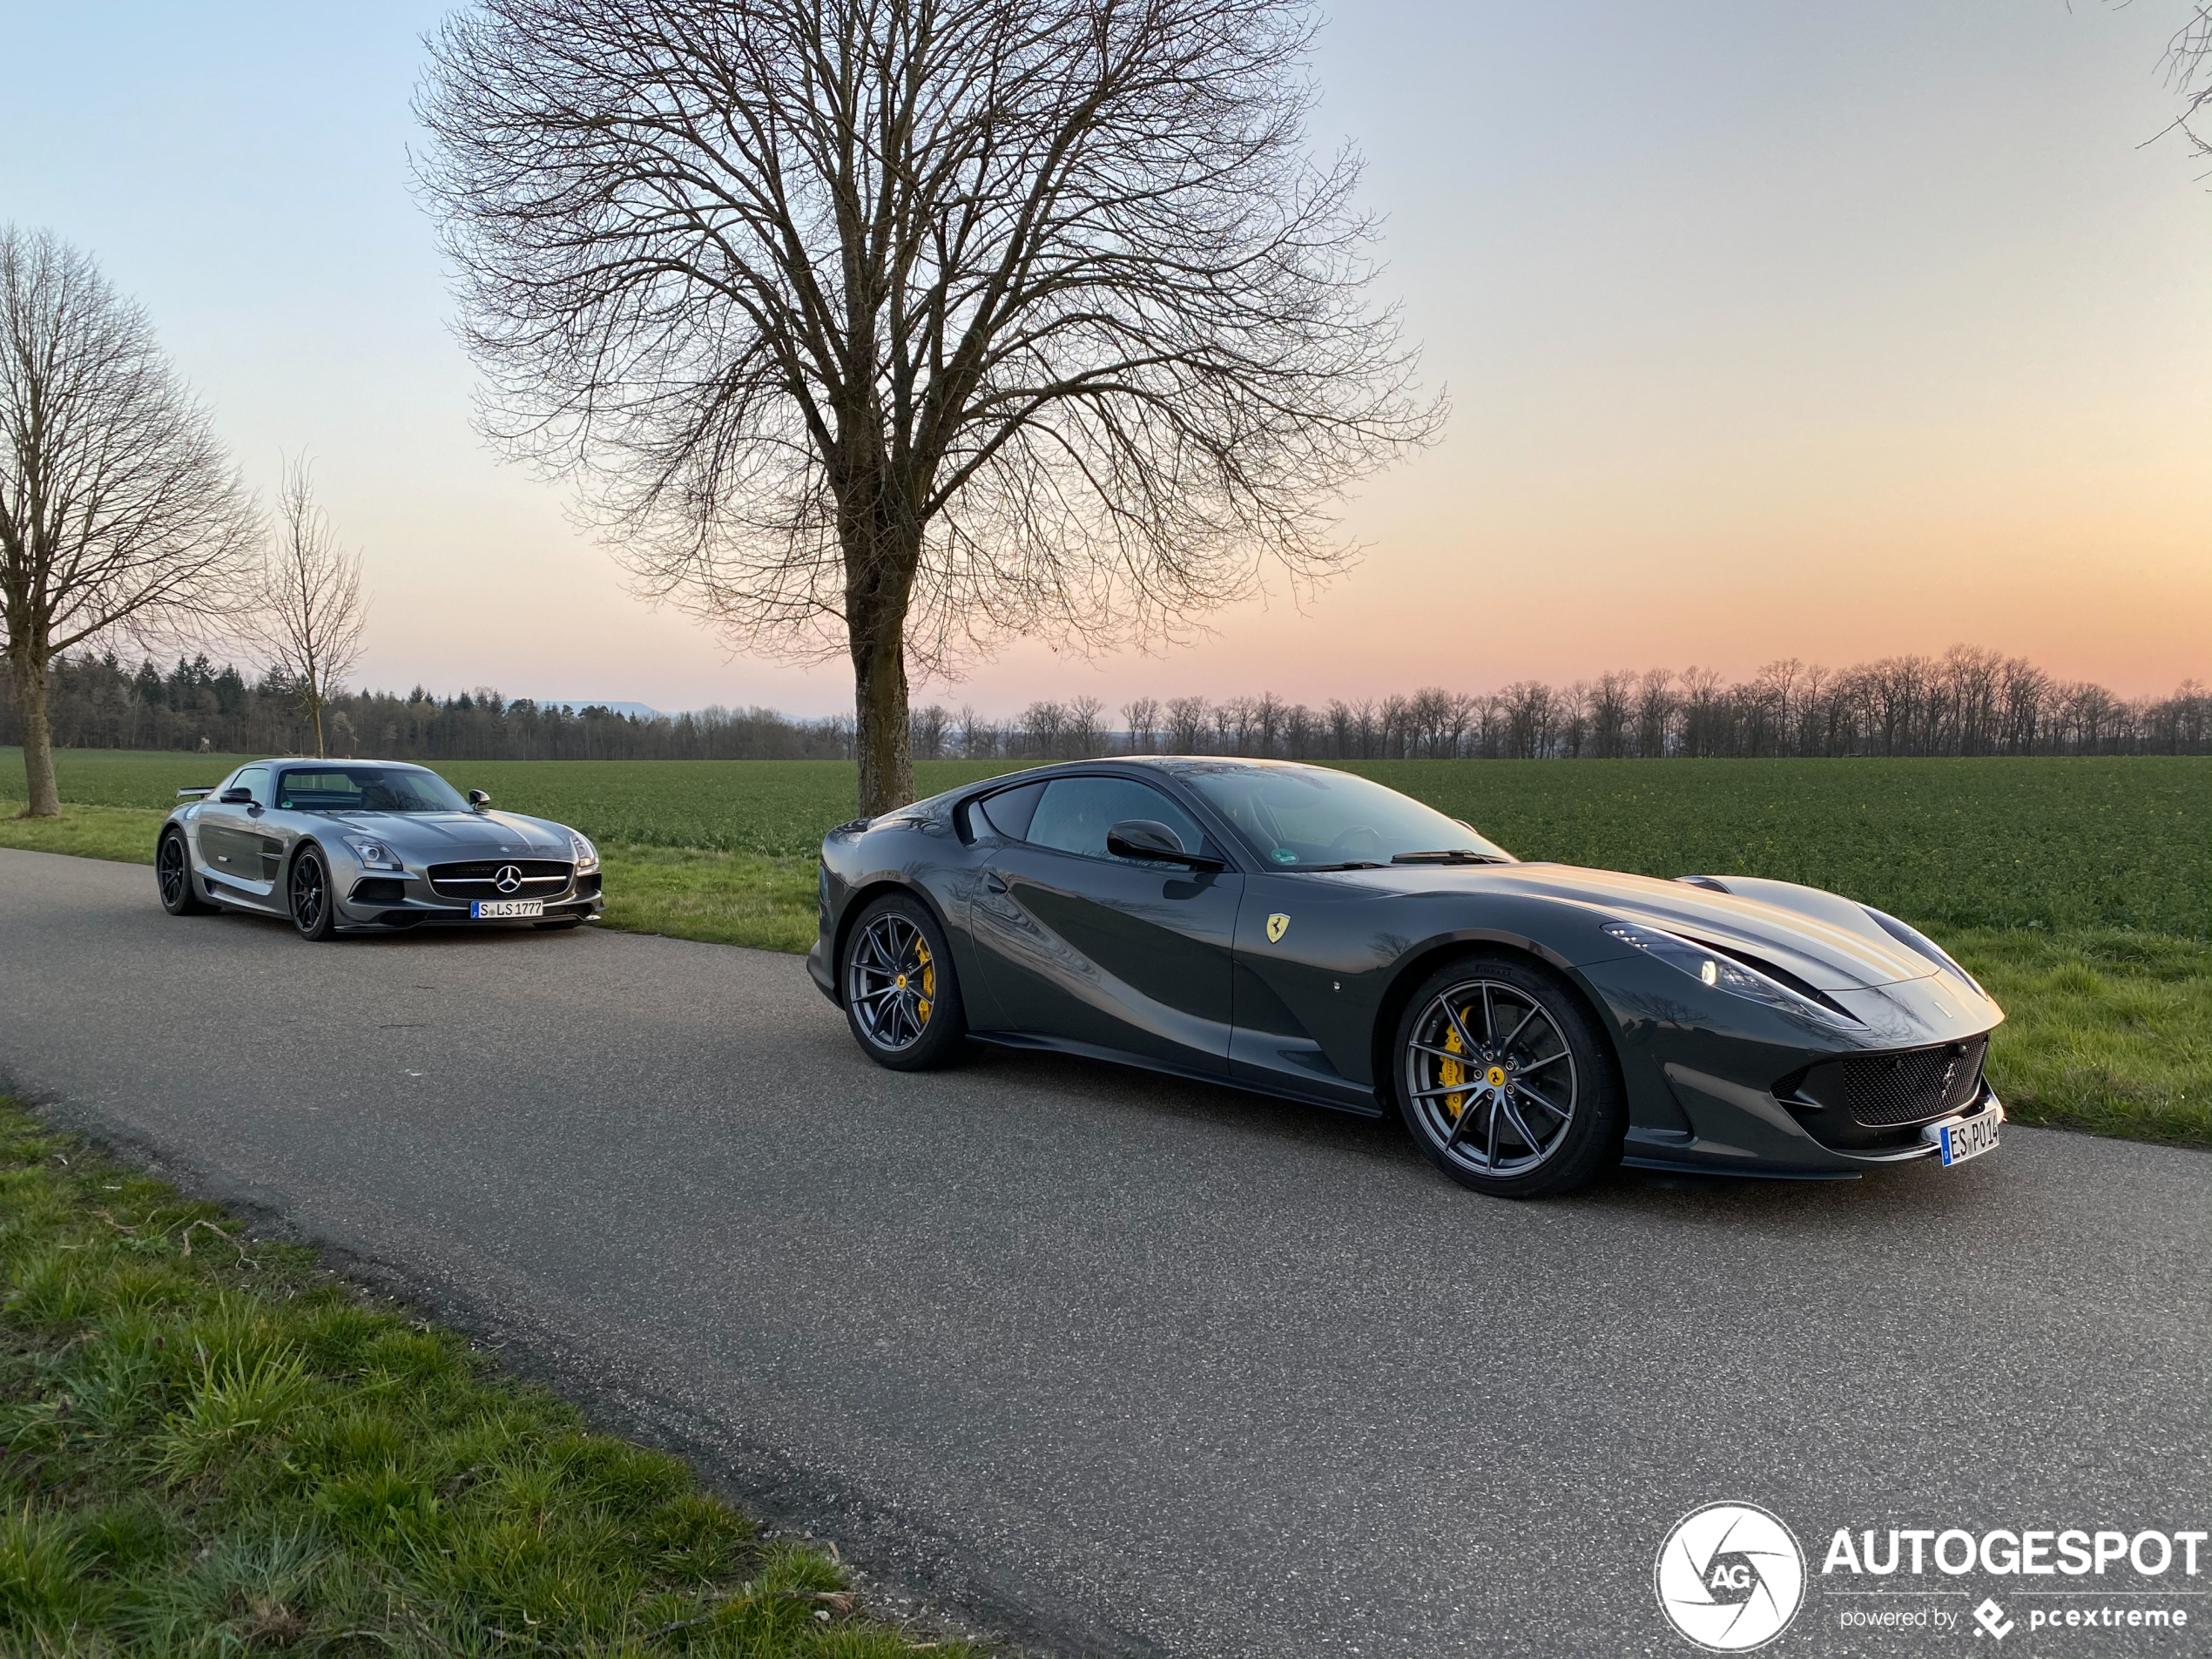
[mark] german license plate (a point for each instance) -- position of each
(505, 909)
(1960, 1138)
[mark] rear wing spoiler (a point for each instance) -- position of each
(200, 793)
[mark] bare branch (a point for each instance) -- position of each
(119, 512)
(311, 596)
(905, 327)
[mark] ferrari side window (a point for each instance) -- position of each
(1075, 813)
(1010, 810)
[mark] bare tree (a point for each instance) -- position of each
(2186, 55)
(119, 512)
(1086, 727)
(311, 593)
(1043, 726)
(1189, 720)
(1142, 717)
(898, 327)
(930, 727)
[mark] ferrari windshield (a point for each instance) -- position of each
(1308, 818)
(365, 789)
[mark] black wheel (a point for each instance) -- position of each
(1504, 1078)
(901, 998)
(172, 874)
(314, 909)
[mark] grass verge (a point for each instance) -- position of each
(2108, 1029)
(123, 833)
(2105, 1030)
(213, 1446)
(725, 897)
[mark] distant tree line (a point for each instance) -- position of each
(101, 703)
(1967, 702)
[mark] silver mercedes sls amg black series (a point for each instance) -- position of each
(368, 846)
(1309, 933)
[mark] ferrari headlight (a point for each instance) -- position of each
(1723, 973)
(375, 855)
(587, 856)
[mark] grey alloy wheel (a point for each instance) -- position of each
(1491, 1078)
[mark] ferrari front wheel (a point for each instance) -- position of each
(1504, 1080)
(901, 997)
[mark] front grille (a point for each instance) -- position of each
(541, 879)
(1881, 1089)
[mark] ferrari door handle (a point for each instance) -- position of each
(994, 882)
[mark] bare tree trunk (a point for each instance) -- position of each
(880, 736)
(882, 546)
(314, 710)
(32, 688)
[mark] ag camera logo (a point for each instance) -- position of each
(1730, 1577)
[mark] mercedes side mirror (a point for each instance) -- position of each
(478, 800)
(238, 797)
(1143, 837)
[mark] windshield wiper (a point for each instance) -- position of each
(1357, 864)
(1448, 855)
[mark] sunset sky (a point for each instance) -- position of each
(1828, 332)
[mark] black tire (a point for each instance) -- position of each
(1541, 1112)
(306, 886)
(896, 980)
(172, 877)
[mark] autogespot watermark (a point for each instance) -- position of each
(1730, 1577)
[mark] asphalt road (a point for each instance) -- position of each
(1135, 1366)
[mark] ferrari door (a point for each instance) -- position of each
(1113, 954)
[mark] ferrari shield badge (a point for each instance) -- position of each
(1277, 925)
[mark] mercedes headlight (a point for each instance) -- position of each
(375, 855)
(1723, 973)
(587, 856)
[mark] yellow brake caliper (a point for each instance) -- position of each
(929, 982)
(1449, 1072)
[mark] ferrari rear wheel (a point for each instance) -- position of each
(1503, 1080)
(314, 909)
(172, 874)
(901, 997)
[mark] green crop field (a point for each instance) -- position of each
(2079, 889)
(1946, 844)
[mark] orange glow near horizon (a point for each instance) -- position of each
(1769, 332)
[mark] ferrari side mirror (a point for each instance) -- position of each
(1144, 838)
(478, 800)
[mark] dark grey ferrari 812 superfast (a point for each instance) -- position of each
(1308, 932)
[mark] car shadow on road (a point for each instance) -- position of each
(1383, 1145)
(458, 935)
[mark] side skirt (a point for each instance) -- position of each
(1164, 1068)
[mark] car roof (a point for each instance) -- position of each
(332, 760)
(1150, 763)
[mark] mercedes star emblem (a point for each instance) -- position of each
(509, 879)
